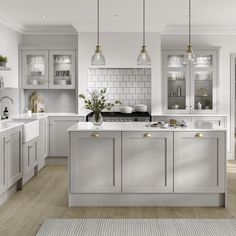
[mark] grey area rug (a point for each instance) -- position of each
(138, 227)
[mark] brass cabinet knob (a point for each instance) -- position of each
(147, 135)
(199, 135)
(96, 135)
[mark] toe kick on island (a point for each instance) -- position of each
(129, 164)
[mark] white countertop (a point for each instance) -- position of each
(13, 121)
(9, 124)
(40, 115)
(134, 126)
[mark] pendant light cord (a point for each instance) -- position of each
(189, 28)
(98, 18)
(144, 23)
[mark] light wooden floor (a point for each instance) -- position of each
(45, 196)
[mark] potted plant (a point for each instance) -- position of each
(97, 102)
(3, 61)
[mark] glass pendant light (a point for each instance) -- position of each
(98, 58)
(189, 56)
(143, 57)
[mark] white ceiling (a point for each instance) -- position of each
(82, 13)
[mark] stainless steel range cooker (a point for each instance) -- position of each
(121, 117)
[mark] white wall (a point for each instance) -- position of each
(9, 42)
(121, 51)
(51, 41)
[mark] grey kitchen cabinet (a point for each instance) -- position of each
(199, 162)
(147, 162)
(95, 162)
(43, 69)
(30, 156)
(43, 139)
(14, 157)
(58, 135)
(191, 88)
(35, 73)
(3, 162)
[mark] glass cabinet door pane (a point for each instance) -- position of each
(203, 90)
(175, 61)
(176, 88)
(62, 70)
(204, 61)
(36, 70)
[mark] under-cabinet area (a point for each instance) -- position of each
(120, 166)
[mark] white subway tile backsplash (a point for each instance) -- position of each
(126, 90)
(141, 84)
(138, 90)
(144, 90)
(131, 86)
(141, 96)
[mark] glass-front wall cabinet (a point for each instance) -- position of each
(48, 69)
(35, 69)
(192, 88)
(62, 69)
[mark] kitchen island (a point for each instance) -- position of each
(130, 164)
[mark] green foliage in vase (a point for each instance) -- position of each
(97, 102)
(3, 59)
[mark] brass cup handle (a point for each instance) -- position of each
(95, 135)
(147, 135)
(199, 135)
(8, 141)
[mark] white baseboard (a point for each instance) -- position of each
(56, 161)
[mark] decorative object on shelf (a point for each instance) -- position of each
(3, 61)
(98, 58)
(34, 101)
(199, 105)
(190, 57)
(143, 57)
(208, 104)
(175, 106)
(202, 92)
(178, 91)
(97, 102)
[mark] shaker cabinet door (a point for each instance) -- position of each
(42, 140)
(62, 69)
(58, 135)
(14, 167)
(29, 156)
(35, 69)
(199, 162)
(95, 162)
(147, 162)
(3, 162)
